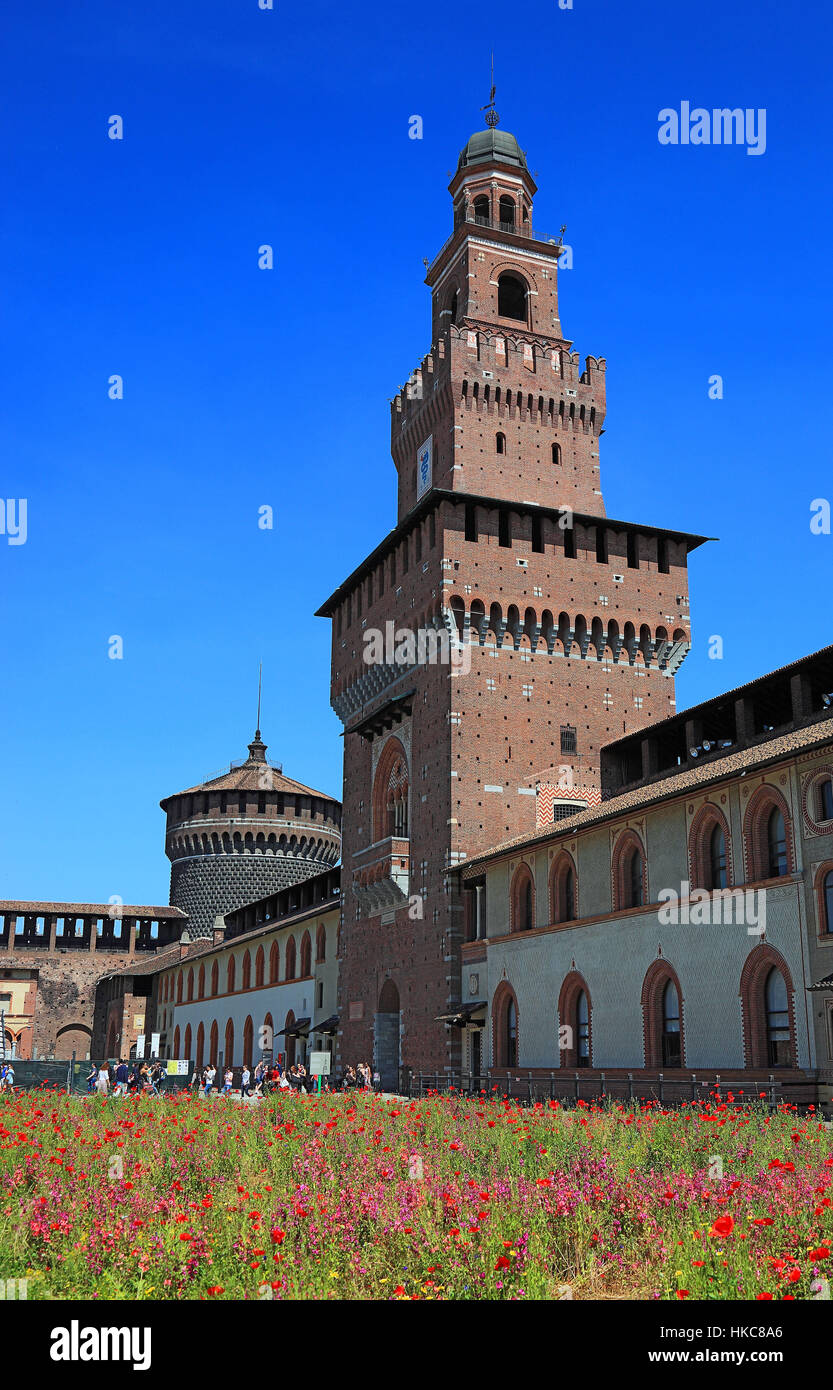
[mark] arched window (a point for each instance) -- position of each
(453, 307)
(166, 989)
(767, 1010)
(507, 212)
(556, 453)
(662, 1017)
(582, 1030)
(306, 955)
(500, 443)
(522, 905)
(824, 881)
(777, 1021)
(824, 796)
(213, 1043)
(274, 964)
(390, 793)
(671, 1050)
(228, 1056)
(505, 1026)
(179, 988)
(230, 976)
(481, 209)
(260, 964)
(176, 1041)
(717, 858)
(246, 973)
(190, 991)
(248, 1039)
(188, 1042)
(201, 983)
(510, 1035)
(776, 833)
(564, 896)
(215, 978)
(767, 836)
(200, 1044)
(511, 297)
(290, 959)
(321, 943)
(630, 878)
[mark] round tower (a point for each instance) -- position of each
(243, 835)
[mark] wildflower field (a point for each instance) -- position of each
(368, 1197)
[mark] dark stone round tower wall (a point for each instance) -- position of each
(212, 884)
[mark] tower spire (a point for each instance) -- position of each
(257, 748)
(492, 117)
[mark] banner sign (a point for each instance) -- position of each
(425, 460)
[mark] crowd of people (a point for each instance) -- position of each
(127, 1079)
(138, 1076)
(7, 1077)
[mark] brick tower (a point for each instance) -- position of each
(502, 632)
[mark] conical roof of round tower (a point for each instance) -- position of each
(248, 776)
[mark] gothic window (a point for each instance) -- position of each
(290, 959)
(575, 1015)
(481, 209)
(507, 212)
(633, 881)
(510, 1036)
(827, 903)
(306, 955)
(630, 888)
(215, 978)
(390, 793)
(511, 297)
(522, 904)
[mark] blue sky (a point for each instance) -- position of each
(245, 387)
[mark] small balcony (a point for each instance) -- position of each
(381, 874)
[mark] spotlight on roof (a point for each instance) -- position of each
(707, 746)
(827, 700)
(725, 743)
(694, 752)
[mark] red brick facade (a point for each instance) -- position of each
(570, 625)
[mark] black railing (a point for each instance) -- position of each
(569, 1086)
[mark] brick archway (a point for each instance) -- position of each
(754, 975)
(573, 985)
(657, 976)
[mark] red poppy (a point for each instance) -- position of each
(820, 1254)
(502, 1262)
(682, 1293)
(723, 1226)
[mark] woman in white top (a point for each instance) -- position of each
(102, 1082)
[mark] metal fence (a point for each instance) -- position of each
(571, 1087)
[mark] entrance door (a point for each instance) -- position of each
(476, 1059)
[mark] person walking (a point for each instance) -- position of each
(246, 1078)
(102, 1082)
(228, 1078)
(210, 1073)
(121, 1078)
(196, 1079)
(92, 1078)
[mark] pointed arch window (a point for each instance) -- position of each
(510, 1040)
(633, 880)
(717, 858)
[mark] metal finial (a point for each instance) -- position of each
(492, 118)
(259, 687)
